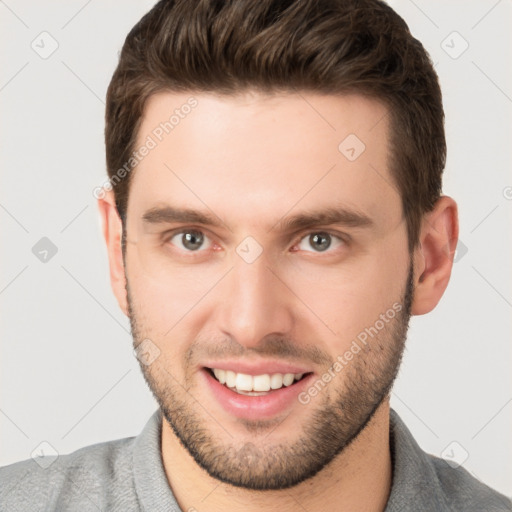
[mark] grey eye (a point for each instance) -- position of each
(320, 241)
(191, 240)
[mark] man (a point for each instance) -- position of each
(273, 218)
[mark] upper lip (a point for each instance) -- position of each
(260, 368)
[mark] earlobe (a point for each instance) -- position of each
(112, 232)
(433, 258)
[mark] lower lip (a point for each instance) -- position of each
(256, 407)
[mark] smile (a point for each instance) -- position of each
(254, 385)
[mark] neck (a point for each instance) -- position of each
(358, 479)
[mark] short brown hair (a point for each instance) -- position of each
(327, 47)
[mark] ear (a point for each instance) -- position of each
(112, 232)
(433, 258)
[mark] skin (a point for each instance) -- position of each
(252, 160)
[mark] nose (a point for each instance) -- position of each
(255, 303)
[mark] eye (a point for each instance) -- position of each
(320, 241)
(190, 240)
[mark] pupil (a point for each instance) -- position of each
(192, 240)
(322, 241)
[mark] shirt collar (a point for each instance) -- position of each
(151, 482)
(415, 485)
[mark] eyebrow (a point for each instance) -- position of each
(327, 216)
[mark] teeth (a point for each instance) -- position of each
(276, 381)
(288, 379)
(258, 383)
(230, 379)
(221, 375)
(261, 382)
(244, 382)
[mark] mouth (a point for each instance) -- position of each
(256, 390)
(255, 385)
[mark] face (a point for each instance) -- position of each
(265, 240)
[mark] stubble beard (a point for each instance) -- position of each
(338, 414)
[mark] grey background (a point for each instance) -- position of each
(68, 374)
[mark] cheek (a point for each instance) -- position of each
(350, 296)
(162, 303)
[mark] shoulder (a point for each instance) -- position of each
(462, 491)
(424, 482)
(87, 479)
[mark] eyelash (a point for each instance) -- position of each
(341, 238)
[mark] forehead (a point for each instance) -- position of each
(254, 156)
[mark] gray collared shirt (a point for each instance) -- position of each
(128, 475)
